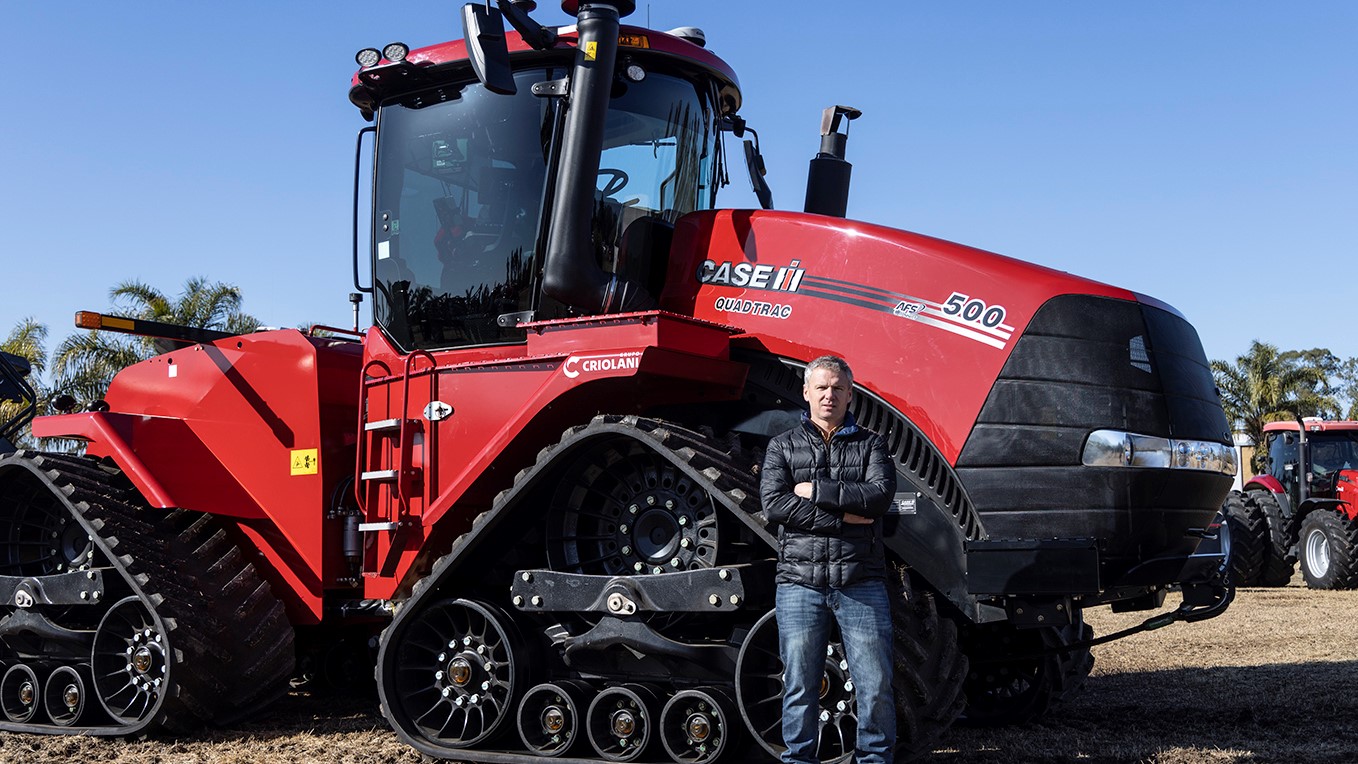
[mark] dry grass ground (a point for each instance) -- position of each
(1271, 680)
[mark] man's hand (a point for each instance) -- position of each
(853, 519)
(804, 490)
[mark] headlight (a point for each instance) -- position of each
(1114, 448)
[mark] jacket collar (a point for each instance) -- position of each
(849, 427)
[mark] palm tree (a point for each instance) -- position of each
(1264, 385)
(84, 364)
(28, 341)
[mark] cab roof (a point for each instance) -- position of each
(370, 86)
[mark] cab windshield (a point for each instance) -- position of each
(460, 189)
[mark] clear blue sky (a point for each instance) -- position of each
(1200, 152)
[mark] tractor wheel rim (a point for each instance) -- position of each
(1318, 553)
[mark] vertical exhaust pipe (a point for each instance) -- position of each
(827, 181)
(571, 273)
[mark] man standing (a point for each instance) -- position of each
(826, 485)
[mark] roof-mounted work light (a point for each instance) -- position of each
(368, 57)
(395, 52)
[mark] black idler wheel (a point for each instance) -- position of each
(459, 672)
(759, 693)
(129, 660)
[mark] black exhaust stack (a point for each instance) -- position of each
(827, 182)
(571, 273)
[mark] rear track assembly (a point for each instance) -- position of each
(119, 618)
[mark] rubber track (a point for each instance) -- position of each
(231, 643)
(731, 484)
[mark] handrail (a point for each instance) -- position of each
(403, 501)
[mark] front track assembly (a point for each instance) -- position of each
(117, 618)
(614, 604)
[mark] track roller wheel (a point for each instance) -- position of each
(759, 693)
(19, 693)
(550, 717)
(129, 661)
(699, 726)
(621, 722)
(458, 672)
(64, 697)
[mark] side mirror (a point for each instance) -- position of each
(754, 161)
(483, 28)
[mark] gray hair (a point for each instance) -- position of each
(831, 363)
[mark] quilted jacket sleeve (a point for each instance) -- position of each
(781, 505)
(869, 498)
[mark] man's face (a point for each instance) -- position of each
(828, 394)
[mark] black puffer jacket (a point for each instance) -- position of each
(853, 473)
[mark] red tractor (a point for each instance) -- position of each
(532, 486)
(1303, 507)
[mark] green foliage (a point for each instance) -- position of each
(27, 340)
(1265, 385)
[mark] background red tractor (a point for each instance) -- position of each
(532, 484)
(1302, 507)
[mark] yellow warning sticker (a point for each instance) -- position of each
(591, 50)
(306, 461)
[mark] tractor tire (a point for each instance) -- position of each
(1279, 564)
(1018, 675)
(1249, 538)
(1328, 544)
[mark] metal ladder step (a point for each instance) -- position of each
(380, 476)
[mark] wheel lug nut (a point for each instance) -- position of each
(724, 574)
(650, 500)
(685, 543)
(657, 569)
(843, 665)
(669, 503)
(626, 550)
(825, 716)
(683, 520)
(639, 567)
(537, 600)
(632, 509)
(518, 600)
(674, 563)
(622, 529)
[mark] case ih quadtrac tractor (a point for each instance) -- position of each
(533, 483)
(1304, 507)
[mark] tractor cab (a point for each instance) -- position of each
(476, 183)
(1308, 464)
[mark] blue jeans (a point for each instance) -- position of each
(863, 613)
